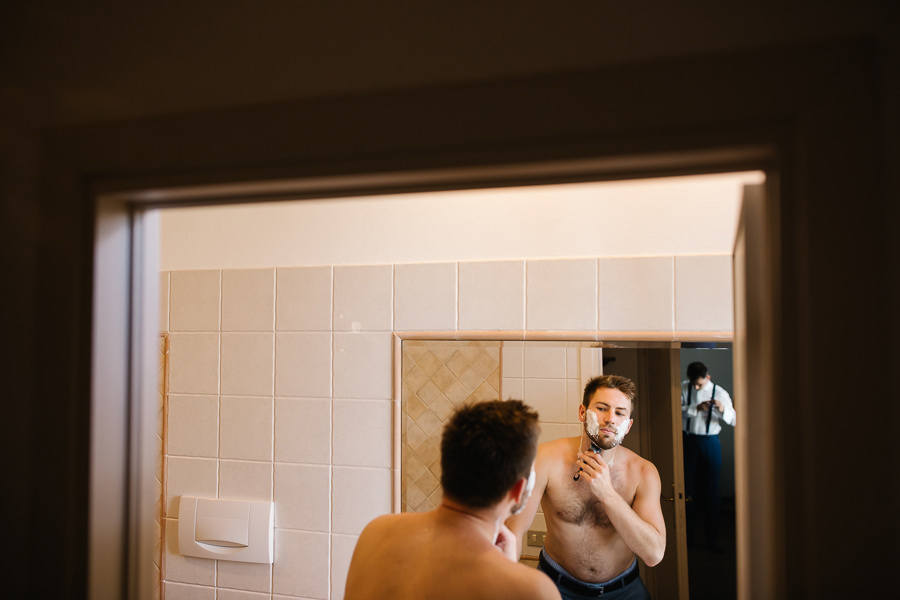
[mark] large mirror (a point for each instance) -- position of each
(439, 375)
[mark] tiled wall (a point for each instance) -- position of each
(438, 376)
(280, 384)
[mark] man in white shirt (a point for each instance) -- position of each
(704, 407)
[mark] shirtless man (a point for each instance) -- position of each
(462, 549)
(602, 510)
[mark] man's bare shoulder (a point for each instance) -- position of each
(640, 467)
(554, 450)
(515, 581)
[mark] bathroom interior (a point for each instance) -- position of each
(309, 350)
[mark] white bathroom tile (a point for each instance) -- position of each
(513, 387)
(513, 357)
(245, 480)
(164, 301)
(302, 495)
(194, 301)
(574, 397)
(189, 477)
(248, 300)
(359, 495)
(248, 364)
(302, 565)
(246, 428)
(362, 433)
(303, 430)
(704, 293)
(303, 299)
(545, 360)
(362, 365)
(186, 569)
(227, 594)
(573, 361)
(425, 297)
(492, 295)
(303, 364)
(636, 294)
(183, 591)
(253, 577)
(363, 298)
(194, 363)
(552, 431)
(342, 547)
(561, 295)
(193, 423)
(548, 397)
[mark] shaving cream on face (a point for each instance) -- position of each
(620, 432)
(593, 424)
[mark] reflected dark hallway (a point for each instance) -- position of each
(712, 575)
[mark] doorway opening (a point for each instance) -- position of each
(145, 224)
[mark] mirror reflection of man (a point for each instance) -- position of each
(705, 406)
(462, 549)
(602, 509)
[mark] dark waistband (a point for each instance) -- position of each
(563, 579)
(701, 435)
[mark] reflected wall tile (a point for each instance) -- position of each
(513, 359)
(548, 397)
(636, 294)
(303, 299)
(189, 477)
(248, 364)
(302, 565)
(194, 363)
(561, 295)
(255, 577)
(245, 480)
(362, 433)
(193, 426)
(248, 300)
(545, 361)
(492, 295)
(186, 569)
(703, 293)
(303, 430)
(363, 298)
(246, 428)
(227, 594)
(552, 431)
(164, 301)
(362, 365)
(194, 301)
(303, 364)
(342, 547)
(425, 297)
(184, 591)
(574, 399)
(359, 495)
(302, 495)
(513, 387)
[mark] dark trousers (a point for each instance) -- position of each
(702, 465)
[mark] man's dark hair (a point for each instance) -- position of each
(485, 448)
(696, 371)
(613, 382)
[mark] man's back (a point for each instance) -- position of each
(435, 555)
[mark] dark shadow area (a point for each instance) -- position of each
(712, 574)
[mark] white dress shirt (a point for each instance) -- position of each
(693, 420)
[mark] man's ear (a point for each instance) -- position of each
(517, 491)
(582, 411)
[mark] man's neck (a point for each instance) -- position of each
(487, 520)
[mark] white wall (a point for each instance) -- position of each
(651, 217)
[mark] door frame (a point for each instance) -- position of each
(721, 115)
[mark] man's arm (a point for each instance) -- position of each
(641, 525)
(520, 523)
